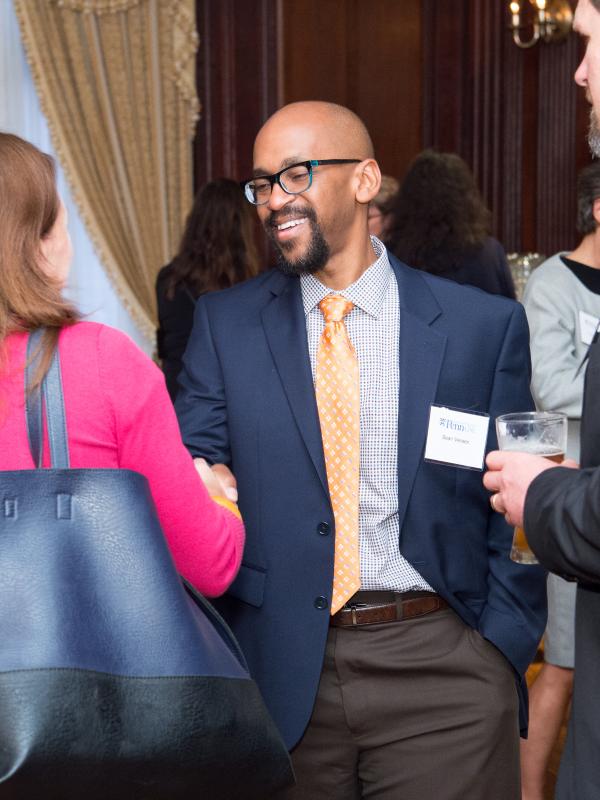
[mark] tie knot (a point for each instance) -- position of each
(334, 307)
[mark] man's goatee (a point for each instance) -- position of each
(594, 134)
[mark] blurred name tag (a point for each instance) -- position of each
(456, 437)
(587, 326)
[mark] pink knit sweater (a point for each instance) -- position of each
(119, 415)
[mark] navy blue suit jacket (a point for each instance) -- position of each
(247, 400)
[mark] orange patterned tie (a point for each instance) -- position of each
(338, 400)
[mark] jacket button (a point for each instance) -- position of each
(321, 603)
(324, 528)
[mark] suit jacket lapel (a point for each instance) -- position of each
(421, 356)
(285, 327)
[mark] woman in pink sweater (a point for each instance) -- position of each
(119, 414)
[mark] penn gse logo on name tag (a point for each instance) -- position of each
(456, 437)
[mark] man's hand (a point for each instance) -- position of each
(218, 479)
(509, 476)
(227, 481)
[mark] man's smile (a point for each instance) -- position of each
(291, 224)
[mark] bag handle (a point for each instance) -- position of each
(53, 405)
(33, 405)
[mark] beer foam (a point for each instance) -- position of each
(532, 448)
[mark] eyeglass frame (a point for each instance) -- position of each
(276, 177)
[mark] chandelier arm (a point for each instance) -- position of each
(529, 43)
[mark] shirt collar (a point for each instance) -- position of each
(367, 293)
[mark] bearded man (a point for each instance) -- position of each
(377, 607)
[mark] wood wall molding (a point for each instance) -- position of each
(420, 73)
(514, 115)
(366, 56)
(559, 147)
(239, 82)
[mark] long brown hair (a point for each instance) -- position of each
(438, 217)
(29, 206)
(217, 248)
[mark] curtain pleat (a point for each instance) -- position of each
(116, 80)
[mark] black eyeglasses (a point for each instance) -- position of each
(295, 179)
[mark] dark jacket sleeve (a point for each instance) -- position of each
(201, 403)
(515, 595)
(562, 522)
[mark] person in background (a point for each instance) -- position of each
(562, 302)
(118, 411)
(379, 216)
(440, 224)
(217, 250)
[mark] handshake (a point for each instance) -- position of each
(218, 479)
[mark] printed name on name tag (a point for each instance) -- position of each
(456, 437)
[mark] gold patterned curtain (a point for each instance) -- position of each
(116, 81)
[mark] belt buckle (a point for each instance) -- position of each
(353, 609)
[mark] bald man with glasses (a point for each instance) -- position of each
(347, 393)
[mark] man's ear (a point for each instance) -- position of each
(596, 210)
(369, 180)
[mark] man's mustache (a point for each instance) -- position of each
(276, 218)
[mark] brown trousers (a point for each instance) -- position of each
(421, 709)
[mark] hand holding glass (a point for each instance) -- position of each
(542, 433)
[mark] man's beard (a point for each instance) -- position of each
(594, 134)
(317, 254)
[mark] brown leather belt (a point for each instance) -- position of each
(373, 608)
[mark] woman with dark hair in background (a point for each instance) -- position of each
(439, 223)
(217, 250)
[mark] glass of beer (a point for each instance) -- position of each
(542, 433)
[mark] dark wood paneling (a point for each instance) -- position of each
(523, 220)
(556, 137)
(509, 215)
(364, 55)
(474, 81)
(420, 73)
(444, 70)
(238, 73)
(514, 115)
(315, 50)
(387, 78)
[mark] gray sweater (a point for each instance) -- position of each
(553, 300)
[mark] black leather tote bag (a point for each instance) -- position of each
(116, 681)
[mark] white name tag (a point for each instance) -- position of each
(456, 437)
(587, 326)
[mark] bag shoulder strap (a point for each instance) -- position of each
(33, 402)
(53, 405)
